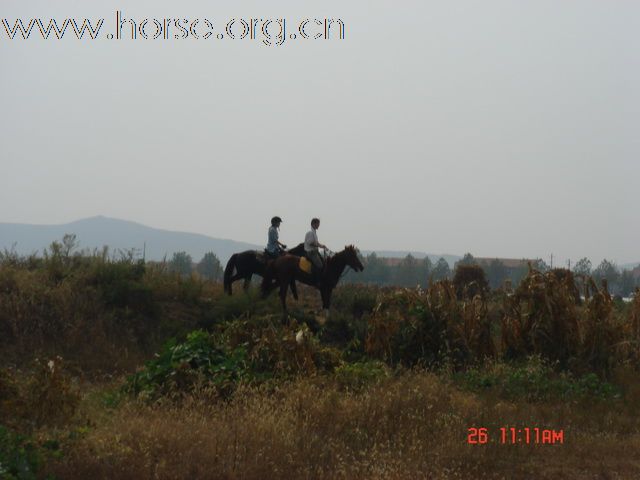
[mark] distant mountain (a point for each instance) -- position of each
(629, 266)
(98, 231)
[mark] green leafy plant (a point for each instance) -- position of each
(19, 457)
(356, 376)
(181, 366)
(533, 380)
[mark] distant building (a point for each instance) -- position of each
(391, 261)
(507, 262)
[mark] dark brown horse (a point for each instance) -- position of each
(286, 269)
(245, 264)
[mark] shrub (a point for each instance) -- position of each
(43, 396)
(541, 318)
(358, 375)
(602, 333)
(121, 285)
(180, 367)
(413, 327)
(534, 380)
(19, 457)
(469, 281)
(50, 396)
(356, 300)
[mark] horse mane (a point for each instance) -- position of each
(351, 249)
(348, 249)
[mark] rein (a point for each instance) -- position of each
(346, 265)
(346, 270)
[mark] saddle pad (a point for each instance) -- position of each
(305, 265)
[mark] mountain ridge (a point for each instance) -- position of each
(98, 231)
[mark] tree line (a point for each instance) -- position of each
(411, 271)
(208, 267)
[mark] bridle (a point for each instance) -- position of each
(347, 267)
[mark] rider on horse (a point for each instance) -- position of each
(274, 247)
(311, 246)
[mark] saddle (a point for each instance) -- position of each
(309, 268)
(305, 265)
(266, 255)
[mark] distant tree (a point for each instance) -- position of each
(181, 263)
(540, 265)
(426, 267)
(607, 271)
(582, 267)
(69, 244)
(407, 272)
(210, 267)
(62, 249)
(627, 283)
(375, 271)
(496, 273)
(441, 271)
(466, 260)
(519, 273)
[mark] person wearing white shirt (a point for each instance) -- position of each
(311, 244)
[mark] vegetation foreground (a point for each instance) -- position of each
(116, 369)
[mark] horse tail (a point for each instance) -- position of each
(228, 273)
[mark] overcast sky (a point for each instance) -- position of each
(503, 128)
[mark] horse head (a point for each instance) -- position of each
(352, 259)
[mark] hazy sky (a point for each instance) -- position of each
(503, 128)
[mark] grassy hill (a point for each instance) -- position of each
(117, 369)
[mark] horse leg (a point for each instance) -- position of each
(283, 300)
(236, 277)
(326, 302)
(267, 286)
(247, 283)
(294, 289)
(267, 283)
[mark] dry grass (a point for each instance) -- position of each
(345, 416)
(412, 426)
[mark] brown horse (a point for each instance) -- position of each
(286, 269)
(244, 265)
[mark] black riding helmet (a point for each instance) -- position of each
(275, 220)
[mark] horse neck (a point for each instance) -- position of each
(335, 267)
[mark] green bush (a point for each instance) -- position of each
(121, 285)
(182, 366)
(19, 457)
(358, 375)
(356, 300)
(534, 380)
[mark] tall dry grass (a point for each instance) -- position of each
(412, 426)
(345, 416)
